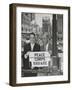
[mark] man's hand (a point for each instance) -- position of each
(26, 55)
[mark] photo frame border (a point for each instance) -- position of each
(12, 43)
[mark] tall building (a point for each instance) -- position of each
(46, 26)
(26, 19)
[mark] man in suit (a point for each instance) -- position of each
(32, 46)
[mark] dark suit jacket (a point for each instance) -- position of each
(27, 47)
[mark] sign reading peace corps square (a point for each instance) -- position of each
(39, 59)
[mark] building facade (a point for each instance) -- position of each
(46, 26)
(26, 19)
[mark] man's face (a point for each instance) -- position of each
(32, 38)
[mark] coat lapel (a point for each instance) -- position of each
(30, 46)
(34, 47)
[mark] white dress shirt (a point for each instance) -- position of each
(32, 46)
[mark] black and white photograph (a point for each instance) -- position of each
(41, 44)
(40, 52)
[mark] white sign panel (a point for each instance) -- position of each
(39, 59)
